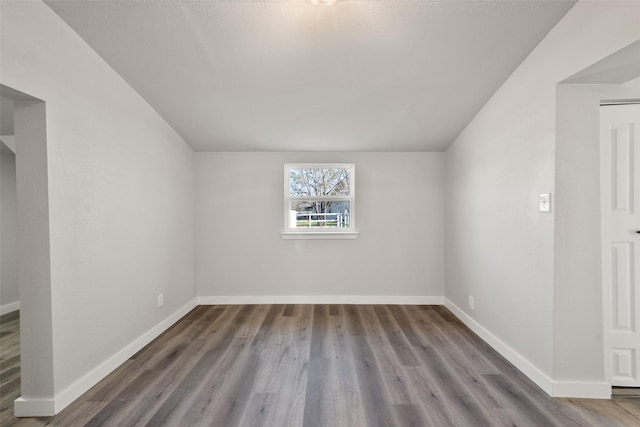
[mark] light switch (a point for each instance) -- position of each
(545, 202)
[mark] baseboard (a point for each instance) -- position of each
(41, 407)
(520, 362)
(320, 299)
(582, 389)
(34, 407)
(9, 308)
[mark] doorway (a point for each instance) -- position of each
(9, 285)
(34, 272)
(9, 290)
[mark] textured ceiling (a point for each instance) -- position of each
(361, 75)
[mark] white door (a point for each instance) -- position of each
(620, 191)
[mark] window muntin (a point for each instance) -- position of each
(319, 197)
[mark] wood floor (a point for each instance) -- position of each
(9, 363)
(319, 365)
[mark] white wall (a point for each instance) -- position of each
(9, 292)
(120, 202)
(499, 247)
(399, 216)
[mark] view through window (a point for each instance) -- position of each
(319, 197)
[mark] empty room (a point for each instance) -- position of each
(320, 213)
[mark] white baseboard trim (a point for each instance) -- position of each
(8, 308)
(575, 389)
(582, 389)
(320, 299)
(526, 367)
(34, 407)
(25, 407)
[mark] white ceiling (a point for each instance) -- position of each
(285, 75)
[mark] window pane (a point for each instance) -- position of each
(313, 213)
(320, 182)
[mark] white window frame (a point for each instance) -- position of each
(319, 233)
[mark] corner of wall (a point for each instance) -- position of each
(525, 366)
(554, 388)
(26, 407)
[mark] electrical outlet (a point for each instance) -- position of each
(472, 303)
(160, 300)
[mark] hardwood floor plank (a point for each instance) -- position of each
(410, 416)
(116, 407)
(174, 406)
(465, 409)
(393, 377)
(303, 322)
(319, 330)
(103, 392)
(227, 390)
(258, 410)
(289, 310)
(315, 396)
(283, 357)
(9, 375)
(9, 362)
(401, 317)
(9, 391)
(315, 393)
(625, 411)
(249, 326)
(439, 413)
(375, 401)
(267, 325)
(523, 405)
(79, 417)
(342, 389)
(466, 362)
(283, 367)
(396, 337)
(376, 404)
(332, 396)
(354, 324)
(10, 316)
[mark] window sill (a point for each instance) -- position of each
(319, 235)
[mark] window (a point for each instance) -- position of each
(319, 201)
